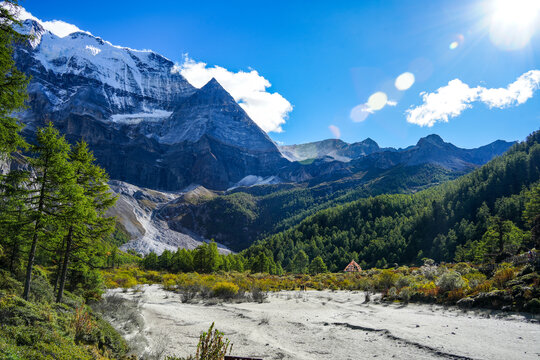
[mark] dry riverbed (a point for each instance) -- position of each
(326, 325)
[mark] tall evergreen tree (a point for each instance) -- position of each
(300, 262)
(51, 187)
(14, 222)
(12, 82)
(85, 218)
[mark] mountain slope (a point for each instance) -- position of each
(391, 229)
(146, 124)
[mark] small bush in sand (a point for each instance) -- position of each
(265, 320)
(225, 289)
(258, 295)
(212, 345)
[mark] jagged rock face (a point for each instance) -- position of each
(333, 148)
(145, 123)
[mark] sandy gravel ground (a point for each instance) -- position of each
(336, 325)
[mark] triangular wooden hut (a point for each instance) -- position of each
(353, 267)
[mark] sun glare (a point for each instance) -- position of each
(513, 22)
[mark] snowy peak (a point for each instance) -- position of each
(83, 74)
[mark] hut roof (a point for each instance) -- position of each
(352, 267)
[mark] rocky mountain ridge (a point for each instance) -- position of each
(146, 124)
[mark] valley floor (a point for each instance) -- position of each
(336, 325)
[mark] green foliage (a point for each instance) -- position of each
(244, 215)
(206, 258)
(455, 220)
(212, 345)
(12, 82)
(41, 330)
(300, 263)
(317, 266)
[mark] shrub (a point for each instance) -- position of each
(463, 268)
(225, 289)
(82, 324)
(404, 281)
(40, 289)
(387, 279)
(502, 276)
(483, 287)
(429, 270)
(258, 295)
(126, 281)
(450, 280)
(475, 279)
(212, 345)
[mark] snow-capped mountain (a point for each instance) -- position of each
(120, 80)
(144, 121)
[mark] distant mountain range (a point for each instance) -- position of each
(150, 128)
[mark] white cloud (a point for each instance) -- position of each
(450, 100)
(391, 103)
(335, 130)
(57, 27)
(249, 89)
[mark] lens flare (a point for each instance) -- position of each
(458, 40)
(360, 113)
(377, 100)
(404, 81)
(513, 23)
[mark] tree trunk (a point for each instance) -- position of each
(61, 252)
(32, 254)
(65, 265)
(15, 247)
(30, 265)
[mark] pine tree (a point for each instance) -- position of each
(317, 266)
(14, 222)
(51, 186)
(300, 262)
(12, 82)
(85, 218)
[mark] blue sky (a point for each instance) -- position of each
(328, 57)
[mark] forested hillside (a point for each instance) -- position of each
(479, 215)
(247, 214)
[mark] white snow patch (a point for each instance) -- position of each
(139, 117)
(93, 50)
(253, 180)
